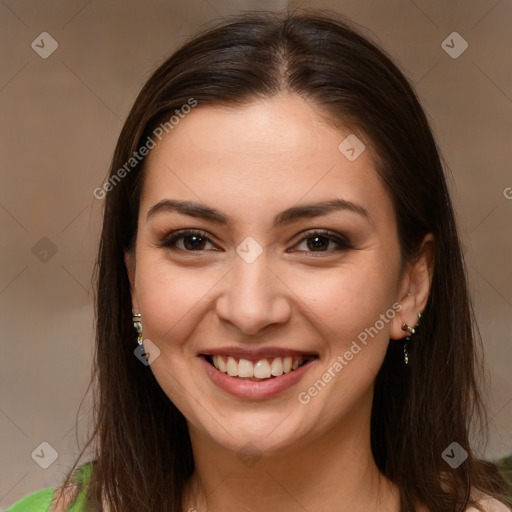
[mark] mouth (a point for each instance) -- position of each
(260, 369)
(256, 374)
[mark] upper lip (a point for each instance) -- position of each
(256, 353)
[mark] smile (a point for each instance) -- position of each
(255, 375)
(261, 369)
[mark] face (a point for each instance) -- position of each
(254, 279)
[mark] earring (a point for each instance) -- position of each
(138, 327)
(411, 331)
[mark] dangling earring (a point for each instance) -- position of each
(138, 327)
(411, 331)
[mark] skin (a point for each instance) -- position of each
(251, 163)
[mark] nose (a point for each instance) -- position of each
(253, 297)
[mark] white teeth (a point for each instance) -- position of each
(245, 368)
(262, 369)
(221, 364)
(277, 367)
(232, 367)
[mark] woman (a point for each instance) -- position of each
(283, 320)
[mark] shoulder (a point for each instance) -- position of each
(38, 501)
(489, 504)
(45, 500)
(72, 499)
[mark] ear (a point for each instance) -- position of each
(414, 288)
(129, 261)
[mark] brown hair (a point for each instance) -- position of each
(144, 456)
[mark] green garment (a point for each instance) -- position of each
(40, 501)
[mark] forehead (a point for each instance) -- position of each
(269, 154)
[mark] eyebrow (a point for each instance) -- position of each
(287, 216)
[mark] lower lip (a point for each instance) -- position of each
(254, 390)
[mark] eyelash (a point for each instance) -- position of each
(342, 241)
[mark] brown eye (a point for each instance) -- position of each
(192, 241)
(319, 241)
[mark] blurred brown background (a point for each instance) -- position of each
(61, 113)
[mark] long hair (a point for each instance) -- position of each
(143, 455)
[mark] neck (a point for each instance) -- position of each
(334, 472)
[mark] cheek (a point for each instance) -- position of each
(346, 300)
(170, 298)
(352, 310)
